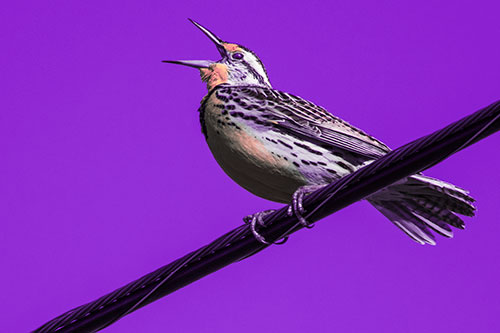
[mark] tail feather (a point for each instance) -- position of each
(437, 223)
(420, 204)
(444, 214)
(457, 199)
(404, 220)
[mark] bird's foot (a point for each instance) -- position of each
(296, 208)
(258, 218)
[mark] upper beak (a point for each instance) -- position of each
(202, 63)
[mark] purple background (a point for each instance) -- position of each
(105, 175)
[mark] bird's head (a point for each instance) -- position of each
(238, 66)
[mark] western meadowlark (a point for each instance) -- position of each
(281, 147)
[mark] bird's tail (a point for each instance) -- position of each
(419, 204)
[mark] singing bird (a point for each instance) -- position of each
(281, 147)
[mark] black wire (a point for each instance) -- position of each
(240, 243)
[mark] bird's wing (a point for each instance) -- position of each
(295, 116)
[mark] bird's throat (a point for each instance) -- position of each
(214, 75)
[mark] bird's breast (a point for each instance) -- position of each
(238, 147)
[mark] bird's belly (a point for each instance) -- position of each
(245, 159)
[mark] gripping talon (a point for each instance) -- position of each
(258, 236)
(300, 207)
(296, 207)
(258, 218)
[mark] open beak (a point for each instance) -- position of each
(202, 63)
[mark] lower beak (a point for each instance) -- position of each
(191, 63)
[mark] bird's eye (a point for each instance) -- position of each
(237, 55)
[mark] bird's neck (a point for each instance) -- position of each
(218, 74)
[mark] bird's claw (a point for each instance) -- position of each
(296, 207)
(258, 218)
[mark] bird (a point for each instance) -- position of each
(282, 147)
